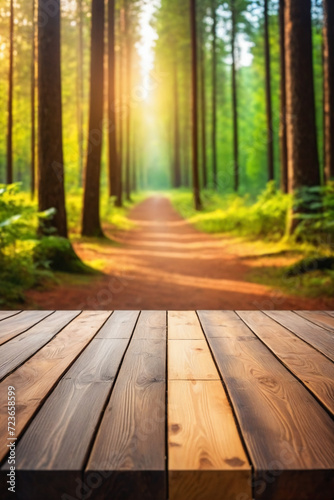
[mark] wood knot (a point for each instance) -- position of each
(234, 462)
(175, 428)
(205, 462)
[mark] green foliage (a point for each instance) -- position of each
(310, 264)
(266, 218)
(57, 254)
(18, 225)
(314, 210)
(26, 259)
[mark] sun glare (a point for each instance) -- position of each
(145, 45)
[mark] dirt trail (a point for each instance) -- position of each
(164, 263)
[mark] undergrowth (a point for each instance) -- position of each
(268, 218)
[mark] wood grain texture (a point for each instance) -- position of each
(35, 378)
(119, 326)
(20, 348)
(283, 425)
(151, 325)
(184, 325)
(314, 335)
(223, 324)
(320, 318)
(91, 405)
(131, 438)
(131, 435)
(13, 326)
(203, 442)
(190, 360)
(8, 314)
(59, 436)
(310, 366)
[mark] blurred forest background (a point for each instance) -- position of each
(225, 106)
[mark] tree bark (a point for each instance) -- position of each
(80, 91)
(51, 163)
(33, 104)
(128, 41)
(112, 159)
(119, 122)
(270, 143)
(91, 225)
(214, 94)
(177, 163)
(282, 127)
(196, 188)
(329, 87)
(235, 100)
(203, 110)
(10, 96)
(303, 162)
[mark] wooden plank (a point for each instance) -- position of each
(320, 318)
(130, 443)
(35, 378)
(8, 314)
(20, 348)
(119, 326)
(330, 313)
(309, 365)
(184, 325)
(284, 427)
(13, 326)
(59, 437)
(223, 324)
(206, 457)
(316, 336)
(151, 325)
(190, 360)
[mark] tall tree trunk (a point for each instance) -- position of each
(303, 162)
(33, 104)
(203, 109)
(112, 160)
(214, 94)
(196, 187)
(91, 225)
(329, 87)
(119, 122)
(177, 163)
(235, 99)
(10, 96)
(270, 142)
(80, 91)
(134, 155)
(282, 127)
(128, 44)
(50, 143)
(128, 84)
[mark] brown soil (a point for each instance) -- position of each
(164, 263)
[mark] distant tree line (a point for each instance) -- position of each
(217, 30)
(199, 44)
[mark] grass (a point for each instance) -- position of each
(313, 284)
(260, 227)
(266, 218)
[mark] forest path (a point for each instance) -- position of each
(165, 263)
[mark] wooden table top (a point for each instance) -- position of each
(181, 405)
